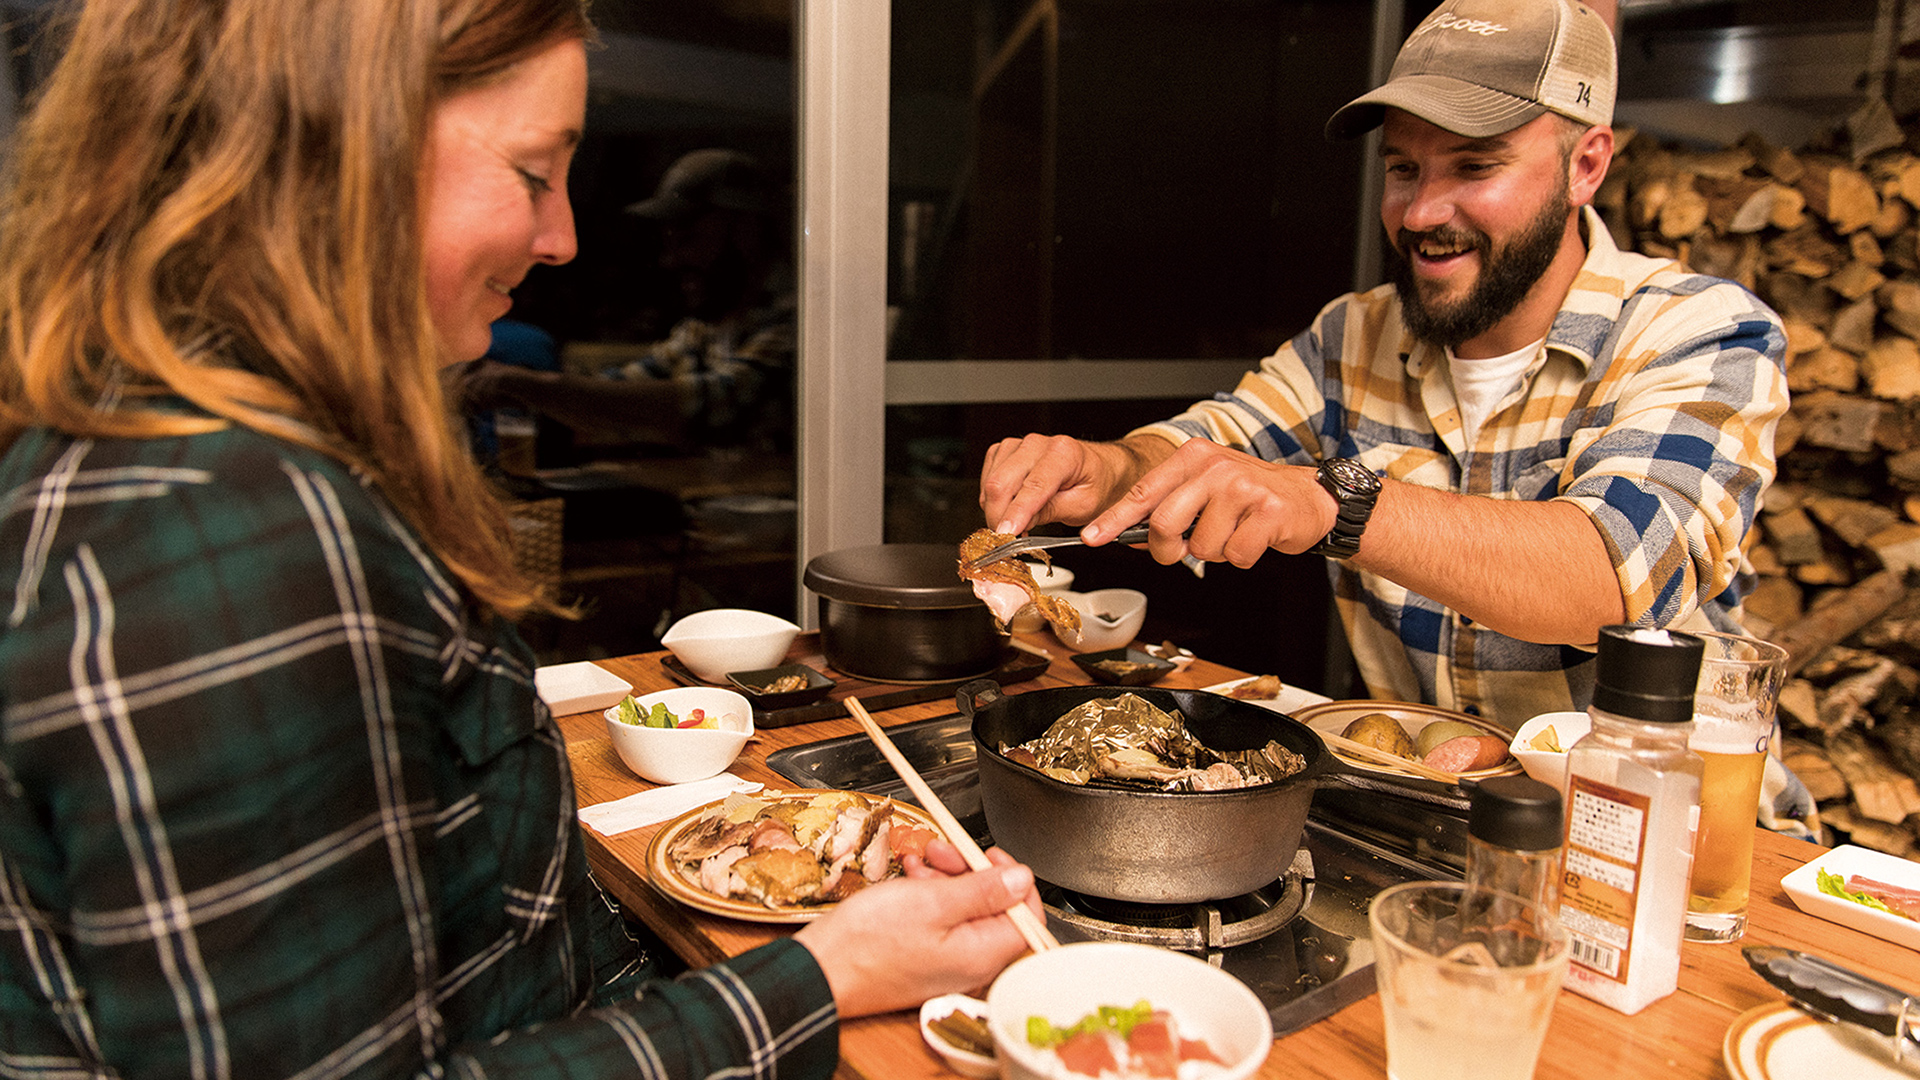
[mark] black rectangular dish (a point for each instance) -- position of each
(1123, 667)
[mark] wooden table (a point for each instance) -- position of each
(1679, 1036)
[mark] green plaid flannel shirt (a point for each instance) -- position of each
(275, 803)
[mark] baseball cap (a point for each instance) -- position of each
(707, 180)
(1483, 67)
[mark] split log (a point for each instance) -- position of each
(1803, 336)
(1892, 368)
(1866, 250)
(1792, 536)
(1895, 216)
(1825, 368)
(1804, 251)
(1775, 599)
(1839, 421)
(1880, 792)
(1856, 279)
(1852, 520)
(1848, 703)
(1897, 546)
(1778, 162)
(1831, 568)
(1868, 833)
(1899, 302)
(1872, 128)
(1903, 469)
(1852, 327)
(1833, 623)
(1901, 739)
(1814, 768)
(1683, 212)
(1840, 194)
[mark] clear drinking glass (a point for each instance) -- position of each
(1468, 979)
(1733, 715)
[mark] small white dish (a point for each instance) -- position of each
(964, 1062)
(1547, 766)
(1779, 1042)
(579, 687)
(1289, 700)
(1803, 885)
(717, 641)
(1109, 618)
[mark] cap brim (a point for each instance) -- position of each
(661, 208)
(1458, 106)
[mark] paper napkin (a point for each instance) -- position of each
(661, 803)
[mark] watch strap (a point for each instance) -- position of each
(1355, 488)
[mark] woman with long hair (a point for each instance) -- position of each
(276, 795)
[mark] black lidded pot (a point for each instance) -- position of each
(901, 613)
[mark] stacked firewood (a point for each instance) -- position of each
(1826, 234)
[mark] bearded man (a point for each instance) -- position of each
(1527, 435)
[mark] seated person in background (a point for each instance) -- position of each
(1527, 435)
(279, 797)
(724, 374)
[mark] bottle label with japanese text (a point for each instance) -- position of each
(1606, 845)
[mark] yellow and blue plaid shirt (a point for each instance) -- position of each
(1651, 406)
(275, 803)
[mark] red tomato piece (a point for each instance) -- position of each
(1088, 1053)
(1198, 1050)
(908, 840)
(1152, 1047)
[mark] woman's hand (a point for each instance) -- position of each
(939, 930)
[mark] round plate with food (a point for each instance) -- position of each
(783, 856)
(1453, 742)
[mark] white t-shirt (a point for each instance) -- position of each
(1480, 384)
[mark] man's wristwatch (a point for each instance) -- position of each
(1355, 488)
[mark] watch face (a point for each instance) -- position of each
(1351, 474)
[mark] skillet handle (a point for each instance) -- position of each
(973, 696)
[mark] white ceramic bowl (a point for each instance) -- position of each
(1109, 618)
(679, 756)
(721, 640)
(1067, 983)
(964, 1062)
(1545, 765)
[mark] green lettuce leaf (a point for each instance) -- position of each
(1117, 1019)
(1835, 885)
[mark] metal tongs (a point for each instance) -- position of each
(1024, 544)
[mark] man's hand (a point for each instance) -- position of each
(938, 931)
(1238, 506)
(1040, 478)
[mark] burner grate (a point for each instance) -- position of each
(1207, 926)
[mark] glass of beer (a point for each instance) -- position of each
(1733, 715)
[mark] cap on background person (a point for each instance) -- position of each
(704, 180)
(1484, 67)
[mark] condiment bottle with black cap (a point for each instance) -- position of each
(1633, 805)
(1514, 835)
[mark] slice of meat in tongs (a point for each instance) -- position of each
(1025, 544)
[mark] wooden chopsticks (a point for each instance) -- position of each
(1388, 757)
(1031, 927)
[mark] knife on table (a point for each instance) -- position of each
(1840, 995)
